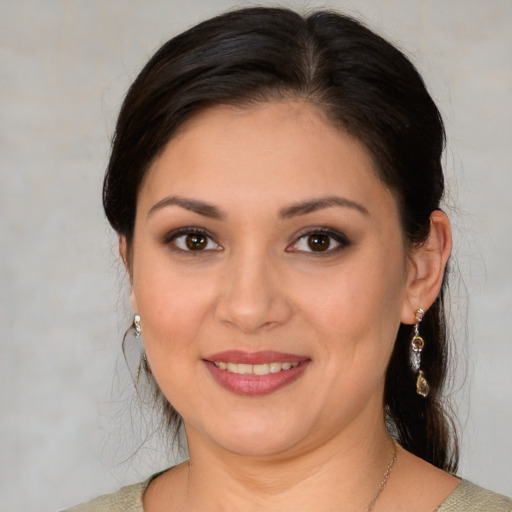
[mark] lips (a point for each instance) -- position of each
(256, 373)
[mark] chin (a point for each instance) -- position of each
(256, 437)
(267, 444)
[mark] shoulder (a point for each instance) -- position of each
(468, 497)
(127, 499)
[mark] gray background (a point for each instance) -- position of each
(65, 428)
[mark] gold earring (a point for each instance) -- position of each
(417, 345)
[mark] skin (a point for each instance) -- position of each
(320, 442)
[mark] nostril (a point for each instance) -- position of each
(255, 317)
(250, 300)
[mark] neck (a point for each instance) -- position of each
(344, 473)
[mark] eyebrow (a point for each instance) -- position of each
(305, 207)
(300, 208)
(194, 205)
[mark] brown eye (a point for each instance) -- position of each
(319, 242)
(192, 241)
(196, 241)
(322, 242)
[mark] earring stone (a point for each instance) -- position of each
(136, 324)
(422, 387)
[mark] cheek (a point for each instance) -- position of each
(167, 296)
(357, 319)
(359, 306)
(172, 311)
(171, 316)
(173, 306)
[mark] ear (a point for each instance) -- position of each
(427, 264)
(124, 254)
(133, 303)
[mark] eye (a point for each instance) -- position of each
(192, 240)
(319, 242)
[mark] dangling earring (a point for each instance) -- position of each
(136, 325)
(142, 364)
(417, 344)
(138, 332)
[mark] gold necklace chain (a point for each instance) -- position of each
(385, 479)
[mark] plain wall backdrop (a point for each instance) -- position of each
(65, 429)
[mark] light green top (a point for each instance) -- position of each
(467, 497)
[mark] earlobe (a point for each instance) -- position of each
(427, 267)
(123, 250)
(133, 303)
(123, 253)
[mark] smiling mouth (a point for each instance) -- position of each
(255, 369)
(256, 373)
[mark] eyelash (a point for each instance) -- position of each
(339, 238)
(172, 237)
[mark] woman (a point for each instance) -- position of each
(275, 182)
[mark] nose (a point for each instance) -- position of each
(253, 297)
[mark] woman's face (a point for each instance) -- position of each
(265, 243)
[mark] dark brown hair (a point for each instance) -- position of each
(365, 86)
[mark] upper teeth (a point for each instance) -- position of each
(255, 369)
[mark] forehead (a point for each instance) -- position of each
(273, 152)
